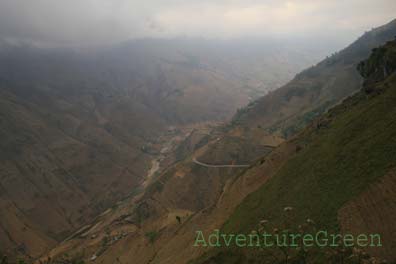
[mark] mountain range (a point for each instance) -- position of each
(321, 145)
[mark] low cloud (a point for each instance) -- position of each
(73, 22)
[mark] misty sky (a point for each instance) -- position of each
(68, 22)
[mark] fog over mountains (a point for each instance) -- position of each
(98, 22)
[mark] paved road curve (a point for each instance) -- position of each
(219, 166)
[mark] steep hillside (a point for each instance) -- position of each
(342, 170)
(65, 157)
(313, 91)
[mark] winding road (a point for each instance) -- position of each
(219, 166)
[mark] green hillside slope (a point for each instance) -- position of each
(342, 154)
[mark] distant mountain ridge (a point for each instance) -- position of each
(314, 90)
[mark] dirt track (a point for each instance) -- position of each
(220, 165)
